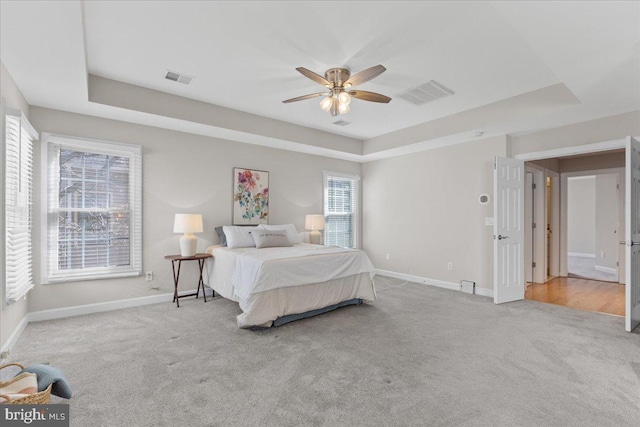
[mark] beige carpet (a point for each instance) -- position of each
(417, 356)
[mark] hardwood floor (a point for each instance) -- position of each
(583, 294)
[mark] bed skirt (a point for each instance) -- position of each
(293, 317)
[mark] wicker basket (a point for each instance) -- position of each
(39, 398)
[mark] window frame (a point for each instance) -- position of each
(355, 198)
(51, 146)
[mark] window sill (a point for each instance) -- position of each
(88, 277)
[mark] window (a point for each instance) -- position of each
(94, 210)
(340, 209)
(18, 195)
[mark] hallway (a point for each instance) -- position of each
(583, 294)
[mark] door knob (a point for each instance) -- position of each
(631, 243)
(500, 237)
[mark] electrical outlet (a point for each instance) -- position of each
(450, 266)
(388, 257)
(602, 254)
(4, 355)
(148, 276)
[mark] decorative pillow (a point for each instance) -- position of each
(238, 237)
(292, 233)
(221, 236)
(50, 375)
(270, 238)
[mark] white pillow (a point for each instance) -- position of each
(292, 233)
(270, 238)
(239, 237)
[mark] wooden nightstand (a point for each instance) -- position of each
(176, 274)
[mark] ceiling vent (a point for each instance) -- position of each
(177, 77)
(427, 92)
(341, 123)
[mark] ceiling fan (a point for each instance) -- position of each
(339, 81)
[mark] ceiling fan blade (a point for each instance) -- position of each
(303, 97)
(365, 75)
(313, 76)
(369, 96)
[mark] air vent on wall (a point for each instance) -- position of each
(341, 123)
(177, 77)
(427, 92)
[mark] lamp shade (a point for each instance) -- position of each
(187, 223)
(314, 222)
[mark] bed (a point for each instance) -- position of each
(280, 284)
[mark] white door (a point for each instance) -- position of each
(632, 297)
(553, 221)
(528, 227)
(508, 230)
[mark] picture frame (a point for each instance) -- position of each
(250, 196)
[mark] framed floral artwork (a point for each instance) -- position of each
(250, 197)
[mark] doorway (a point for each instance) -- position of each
(593, 224)
(582, 209)
(509, 222)
(542, 223)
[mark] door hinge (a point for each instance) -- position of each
(617, 186)
(534, 225)
(534, 186)
(617, 263)
(533, 264)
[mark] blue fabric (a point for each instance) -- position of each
(293, 317)
(50, 375)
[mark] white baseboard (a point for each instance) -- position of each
(59, 313)
(433, 282)
(79, 310)
(15, 335)
(484, 292)
(606, 269)
(581, 255)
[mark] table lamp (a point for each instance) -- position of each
(314, 223)
(188, 224)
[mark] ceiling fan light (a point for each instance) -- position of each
(343, 108)
(344, 98)
(334, 109)
(326, 103)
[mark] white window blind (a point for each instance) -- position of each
(94, 209)
(340, 209)
(19, 137)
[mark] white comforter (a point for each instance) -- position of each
(270, 283)
(260, 270)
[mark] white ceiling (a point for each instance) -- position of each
(243, 56)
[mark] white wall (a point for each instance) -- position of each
(598, 130)
(607, 220)
(581, 215)
(422, 209)
(182, 173)
(13, 314)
